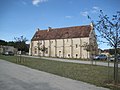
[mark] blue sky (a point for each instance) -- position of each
(23, 17)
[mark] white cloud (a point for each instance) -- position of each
(95, 9)
(69, 17)
(85, 13)
(36, 2)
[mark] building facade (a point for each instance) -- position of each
(69, 42)
(4, 49)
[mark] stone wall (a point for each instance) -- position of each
(65, 48)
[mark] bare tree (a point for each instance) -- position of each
(92, 49)
(109, 29)
(43, 49)
(20, 43)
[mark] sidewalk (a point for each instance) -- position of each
(76, 61)
(17, 77)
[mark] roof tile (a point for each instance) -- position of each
(62, 33)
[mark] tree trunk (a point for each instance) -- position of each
(115, 68)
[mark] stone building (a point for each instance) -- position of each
(4, 49)
(68, 42)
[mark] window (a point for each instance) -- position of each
(59, 53)
(76, 45)
(35, 51)
(51, 41)
(68, 55)
(46, 51)
(67, 35)
(76, 55)
(39, 43)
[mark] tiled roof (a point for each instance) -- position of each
(62, 33)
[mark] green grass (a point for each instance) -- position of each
(97, 75)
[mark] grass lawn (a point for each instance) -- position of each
(97, 75)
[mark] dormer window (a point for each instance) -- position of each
(66, 35)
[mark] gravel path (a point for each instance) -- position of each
(76, 61)
(17, 77)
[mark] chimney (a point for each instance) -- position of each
(92, 26)
(38, 29)
(49, 28)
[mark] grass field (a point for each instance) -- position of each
(97, 75)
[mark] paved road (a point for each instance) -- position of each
(17, 77)
(77, 61)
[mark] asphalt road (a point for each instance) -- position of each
(17, 77)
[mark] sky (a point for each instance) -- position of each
(23, 17)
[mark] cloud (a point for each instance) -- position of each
(95, 9)
(37, 2)
(85, 13)
(69, 17)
